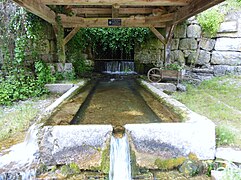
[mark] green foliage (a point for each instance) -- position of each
(70, 169)
(210, 21)
(64, 76)
(43, 72)
(174, 66)
(224, 136)
(232, 172)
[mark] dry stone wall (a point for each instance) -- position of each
(208, 57)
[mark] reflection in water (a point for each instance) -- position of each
(116, 102)
(113, 101)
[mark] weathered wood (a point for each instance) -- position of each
(101, 11)
(158, 34)
(39, 9)
(115, 11)
(103, 22)
(71, 35)
(160, 18)
(195, 7)
(169, 34)
(120, 2)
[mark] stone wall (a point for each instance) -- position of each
(208, 57)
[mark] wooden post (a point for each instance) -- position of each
(167, 49)
(59, 33)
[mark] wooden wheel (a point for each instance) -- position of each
(154, 75)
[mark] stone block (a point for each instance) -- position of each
(188, 44)
(229, 154)
(58, 88)
(204, 57)
(177, 55)
(207, 44)
(192, 58)
(227, 27)
(68, 67)
(165, 86)
(180, 31)
(194, 31)
(187, 52)
(171, 140)
(81, 144)
(220, 70)
(174, 44)
(226, 58)
(228, 44)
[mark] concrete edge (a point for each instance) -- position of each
(189, 116)
(64, 97)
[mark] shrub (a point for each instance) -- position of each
(210, 21)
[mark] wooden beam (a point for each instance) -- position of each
(69, 22)
(115, 11)
(158, 34)
(120, 2)
(133, 11)
(92, 11)
(71, 35)
(161, 18)
(39, 9)
(194, 8)
(169, 34)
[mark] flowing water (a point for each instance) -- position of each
(19, 161)
(119, 67)
(120, 167)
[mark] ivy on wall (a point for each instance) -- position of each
(20, 34)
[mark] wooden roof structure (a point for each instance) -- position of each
(76, 14)
(117, 13)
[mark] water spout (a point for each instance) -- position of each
(18, 161)
(120, 167)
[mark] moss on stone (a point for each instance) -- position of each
(105, 161)
(134, 167)
(70, 169)
(169, 164)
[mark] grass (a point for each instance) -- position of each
(17, 120)
(218, 99)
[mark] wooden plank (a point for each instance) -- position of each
(70, 22)
(71, 35)
(100, 11)
(92, 11)
(161, 18)
(39, 9)
(115, 11)
(169, 34)
(158, 34)
(194, 8)
(120, 2)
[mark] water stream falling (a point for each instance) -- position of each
(18, 162)
(119, 67)
(120, 167)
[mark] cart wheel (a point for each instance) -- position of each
(154, 75)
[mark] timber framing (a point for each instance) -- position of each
(117, 13)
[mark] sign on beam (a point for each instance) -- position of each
(114, 22)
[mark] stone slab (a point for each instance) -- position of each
(196, 134)
(59, 88)
(229, 154)
(228, 44)
(226, 58)
(82, 144)
(228, 26)
(170, 87)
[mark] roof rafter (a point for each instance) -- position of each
(194, 8)
(39, 9)
(69, 22)
(120, 2)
